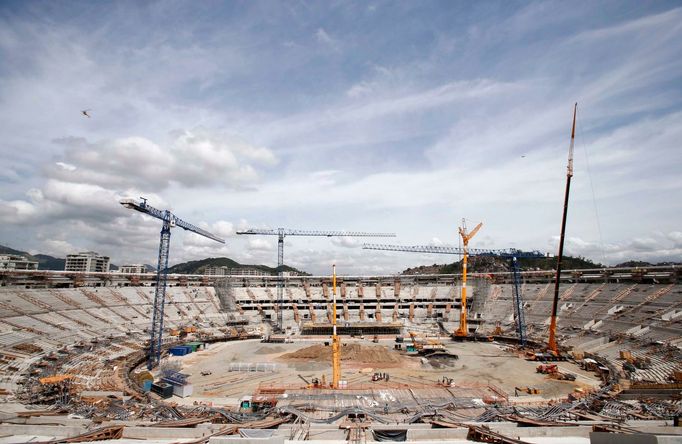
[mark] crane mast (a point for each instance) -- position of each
(518, 301)
(462, 330)
(169, 221)
(281, 233)
(552, 342)
(336, 346)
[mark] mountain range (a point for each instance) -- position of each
(487, 264)
(475, 264)
(46, 262)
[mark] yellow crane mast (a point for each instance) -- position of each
(466, 237)
(336, 346)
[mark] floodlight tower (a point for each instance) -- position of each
(169, 221)
(281, 233)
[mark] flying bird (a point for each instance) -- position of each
(85, 113)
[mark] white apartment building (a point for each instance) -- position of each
(16, 262)
(87, 261)
(212, 270)
(132, 269)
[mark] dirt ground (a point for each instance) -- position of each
(353, 354)
(483, 363)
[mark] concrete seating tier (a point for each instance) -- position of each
(51, 319)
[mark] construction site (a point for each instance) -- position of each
(237, 363)
(314, 222)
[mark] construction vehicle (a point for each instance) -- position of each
(281, 233)
(675, 376)
(552, 345)
(303, 379)
(528, 390)
(544, 356)
(425, 346)
(547, 369)
(629, 367)
(380, 377)
(314, 383)
(553, 371)
(446, 382)
(416, 346)
(639, 362)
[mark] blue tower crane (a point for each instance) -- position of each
(510, 253)
(281, 233)
(169, 221)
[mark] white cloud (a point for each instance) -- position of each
(66, 166)
(190, 158)
(259, 244)
(656, 248)
(359, 90)
(323, 37)
(57, 248)
(347, 241)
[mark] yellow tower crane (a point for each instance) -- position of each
(466, 237)
(336, 346)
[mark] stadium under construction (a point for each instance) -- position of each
(74, 351)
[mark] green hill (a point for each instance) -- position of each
(45, 262)
(198, 267)
(486, 264)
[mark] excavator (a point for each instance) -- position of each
(427, 346)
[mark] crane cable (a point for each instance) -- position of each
(594, 196)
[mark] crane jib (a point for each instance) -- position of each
(505, 253)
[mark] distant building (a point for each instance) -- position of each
(213, 270)
(16, 262)
(132, 269)
(292, 273)
(87, 261)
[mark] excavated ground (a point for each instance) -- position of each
(482, 363)
(350, 353)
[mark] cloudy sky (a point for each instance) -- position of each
(397, 117)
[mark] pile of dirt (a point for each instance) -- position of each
(351, 352)
(269, 350)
